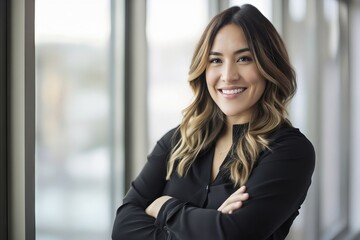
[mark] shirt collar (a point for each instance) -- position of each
(239, 130)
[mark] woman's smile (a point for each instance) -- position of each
(232, 92)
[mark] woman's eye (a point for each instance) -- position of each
(245, 59)
(215, 60)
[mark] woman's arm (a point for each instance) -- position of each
(131, 221)
(232, 203)
(135, 218)
(277, 188)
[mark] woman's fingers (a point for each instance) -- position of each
(234, 197)
(240, 190)
(228, 209)
(234, 201)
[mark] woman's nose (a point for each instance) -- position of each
(230, 72)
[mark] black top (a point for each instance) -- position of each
(277, 187)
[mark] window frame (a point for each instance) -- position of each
(20, 117)
(3, 120)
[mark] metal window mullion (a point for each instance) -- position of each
(278, 15)
(216, 6)
(117, 103)
(135, 87)
(21, 120)
(3, 122)
(354, 50)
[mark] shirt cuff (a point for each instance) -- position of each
(167, 210)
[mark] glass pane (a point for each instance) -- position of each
(73, 135)
(332, 208)
(172, 36)
(264, 6)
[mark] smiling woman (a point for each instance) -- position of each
(235, 161)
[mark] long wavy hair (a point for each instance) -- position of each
(203, 121)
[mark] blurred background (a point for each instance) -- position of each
(111, 79)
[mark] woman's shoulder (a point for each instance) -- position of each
(171, 134)
(291, 141)
(169, 138)
(165, 143)
(289, 133)
(290, 148)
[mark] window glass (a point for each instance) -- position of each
(317, 110)
(73, 115)
(264, 6)
(172, 32)
(332, 177)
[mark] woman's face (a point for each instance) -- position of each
(233, 80)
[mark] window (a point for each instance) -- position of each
(172, 36)
(80, 110)
(74, 107)
(321, 110)
(264, 6)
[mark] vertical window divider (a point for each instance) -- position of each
(216, 6)
(21, 130)
(117, 102)
(135, 88)
(345, 112)
(354, 110)
(3, 121)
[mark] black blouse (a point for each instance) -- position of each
(277, 187)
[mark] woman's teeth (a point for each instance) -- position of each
(233, 91)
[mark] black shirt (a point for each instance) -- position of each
(277, 187)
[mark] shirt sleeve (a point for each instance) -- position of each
(277, 187)
(131, 221)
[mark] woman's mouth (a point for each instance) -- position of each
(232, 91)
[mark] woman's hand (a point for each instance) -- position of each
(235, 201)
(154, 208)
(231, 204)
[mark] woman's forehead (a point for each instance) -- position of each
(230, 38)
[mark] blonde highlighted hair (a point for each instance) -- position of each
(203, 121)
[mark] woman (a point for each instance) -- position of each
(234, 168)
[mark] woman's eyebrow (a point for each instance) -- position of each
(241, 50)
